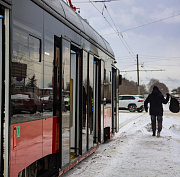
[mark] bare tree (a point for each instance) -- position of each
(32, 82)
(130, 87)
(162, 87)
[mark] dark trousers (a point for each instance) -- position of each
(153, 121)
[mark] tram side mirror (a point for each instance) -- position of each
(120, 79)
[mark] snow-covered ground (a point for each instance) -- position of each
(134, 152)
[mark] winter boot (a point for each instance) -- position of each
(154, 133)
(158, 134)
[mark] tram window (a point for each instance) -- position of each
(35, 48)
(47, 94)
(27, 78)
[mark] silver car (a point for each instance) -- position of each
(131, 102)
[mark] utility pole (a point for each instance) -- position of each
(137, 70)
(138, 75)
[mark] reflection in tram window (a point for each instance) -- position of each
(34, 48)
(26, 78)
(66, 95)
(47, 94)
(47, 101)
(102, 100)
(117, 100)
(91, 87)
(85, 100)
(26, 101)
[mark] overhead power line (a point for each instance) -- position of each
(144, 70)
(162, 57)
(150, 23)
(133, 28)
(116, 30)
(96, 1)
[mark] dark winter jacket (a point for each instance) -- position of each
(155, 99)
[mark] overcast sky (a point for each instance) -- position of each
(150, 29)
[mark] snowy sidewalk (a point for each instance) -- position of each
(134, 152)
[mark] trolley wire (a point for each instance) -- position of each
(96, 1)
(119, 33)
(146, 24)
(116, 30)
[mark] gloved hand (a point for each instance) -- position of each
(168, 94)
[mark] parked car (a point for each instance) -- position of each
(131, 102)
(47, 101)
(26, 101)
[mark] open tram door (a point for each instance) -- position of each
(102, 102)
(98, 103)
(76, 94)
(67, 105)
(96, 100)
(115, 102)
(4, 96)
(118, 82)
(1, 102)
(71, 125)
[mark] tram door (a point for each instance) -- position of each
(97, 101)
(75, 94)
(113, 100)
(115, 105)
(1, 99)
(117, 100)
(84, 136)
(66, 101)
(102, 102)
(90, 104)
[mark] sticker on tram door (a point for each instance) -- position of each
(16, 134)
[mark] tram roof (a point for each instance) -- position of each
(72, 18)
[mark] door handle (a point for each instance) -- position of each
(14, 137)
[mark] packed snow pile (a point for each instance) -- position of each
(175, 128)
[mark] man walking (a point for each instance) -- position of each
(156, 109)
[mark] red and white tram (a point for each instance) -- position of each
(58, 88)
